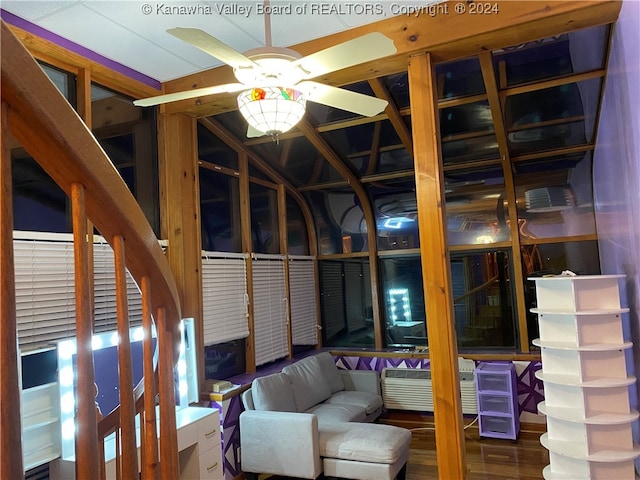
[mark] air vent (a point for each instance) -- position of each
(410, 388)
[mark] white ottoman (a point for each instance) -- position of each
(364, 451)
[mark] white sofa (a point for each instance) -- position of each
(312, 419)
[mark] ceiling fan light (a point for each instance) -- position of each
(272, 110)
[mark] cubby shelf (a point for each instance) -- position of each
(585, 378)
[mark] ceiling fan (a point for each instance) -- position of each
(276, 82)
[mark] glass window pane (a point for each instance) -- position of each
(396, 211)
(476, 207)
(482, 147)
(298, 243)
(403, 301)
(264, 219)
(213, 150)
(339, 221)
(554, 56)
(459, 79)
(581, 258)
(556, 200)
(461, 119)
(38, 203)
(483, 299)
(219, 212)
(345, 297)
(128, 135)
(64, 82)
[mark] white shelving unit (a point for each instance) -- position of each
(585, 378)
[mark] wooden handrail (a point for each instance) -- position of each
(54, 135)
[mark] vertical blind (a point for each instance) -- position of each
(269, 308)
(354, 296)
(45, 290)
(332, 298)
(302, 289)
(224, 297)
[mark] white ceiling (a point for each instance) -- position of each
(133, 33)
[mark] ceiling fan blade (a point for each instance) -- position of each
(344, 99)
(352, 52)
(214, 47)
(187, 94)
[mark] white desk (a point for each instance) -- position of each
(199, 446)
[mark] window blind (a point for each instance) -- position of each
(45, 290)
(354, 296)
(224, 297)
(302, 289)
(269, 308)
(332, 298)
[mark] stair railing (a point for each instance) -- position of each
(36, 115)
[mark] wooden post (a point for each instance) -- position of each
(86, 420)
(180, 214)
(125, 367)
(436, 269)
(169, 464)
(247, 247)
(10, 425)
(150, 466)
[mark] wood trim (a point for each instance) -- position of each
(554, 82)
(284, 250)
(247, 247)
(436, 269)
(446, 37)
(457, 101)
(486, 65)
(546, 241)
(167, 400)
(393, 113)
(180, 211)
(553, 153)
(10, 421)
(62, 58)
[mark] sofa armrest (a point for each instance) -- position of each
(361, 380)
(280, 443)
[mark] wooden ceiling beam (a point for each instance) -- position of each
(446, 37)
(395, 117)
(493, 97)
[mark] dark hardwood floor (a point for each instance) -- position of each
(486, 458)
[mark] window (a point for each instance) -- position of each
(302, 289)
(45, 290)
(269, 308)
(128, 136)
(403, 300)
(347, 318)
(483, 299)
(224, 297)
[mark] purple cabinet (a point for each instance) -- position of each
(498, 413)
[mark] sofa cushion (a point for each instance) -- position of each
(370, 402)
(274, 393)
(307, 383)
(337, 413)
(330, 372)
(364, 442)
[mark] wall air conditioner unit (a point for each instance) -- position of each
(410, 388)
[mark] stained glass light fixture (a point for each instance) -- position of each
(272, 110)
